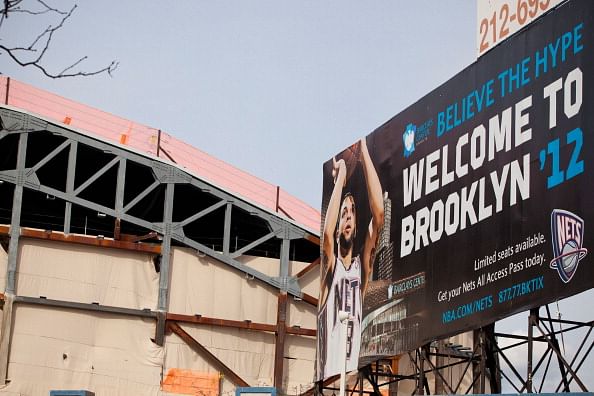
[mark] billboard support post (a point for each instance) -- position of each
(421, 356)
(492, 359)
(532, 319)
(343, 317)
(478, 370)
(560, 357)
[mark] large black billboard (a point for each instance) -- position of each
(471, 205)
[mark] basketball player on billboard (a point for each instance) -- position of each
(346, 273)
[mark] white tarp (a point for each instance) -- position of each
(62, 349)
(71, 272)
(210, 288)
(202, 285)
(112, 354)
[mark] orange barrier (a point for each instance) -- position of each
(189, 382)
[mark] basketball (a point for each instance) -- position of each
(351, 158)
(569, 260)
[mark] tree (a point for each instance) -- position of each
(32, 55)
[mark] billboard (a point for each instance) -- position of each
(469, 206)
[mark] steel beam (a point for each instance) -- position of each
(237, 324)
(531, 323)
(442, 381)
(166, 250)
(202, 213)
(93, 307)
(140, 196)
(84, 240)
(207, 355)
(120, 187)
(48, 157)
(279, 346)
(281, 315)
(13, 248)
(468, 364)
(556, 345)
(119, 198)
(421, 383)
(309, 267)
(160, 328)
(15, 221)
(95, 206)
(298, 331)
(513, 369)
(251, 245)
(5, 336)
(308, 298)
(227, 229)
(163, 298)
(96, 176)
(70, 173)
(562, 360)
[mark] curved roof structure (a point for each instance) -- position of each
(161, 144)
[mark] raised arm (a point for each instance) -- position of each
(376, 204)
(328, 256)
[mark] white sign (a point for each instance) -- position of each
(499, 19)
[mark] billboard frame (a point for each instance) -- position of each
(384, 160)
(485, 358)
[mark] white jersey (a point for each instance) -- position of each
(344, 295)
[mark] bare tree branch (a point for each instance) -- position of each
(48, 8)
(108, 69)
(41, 43)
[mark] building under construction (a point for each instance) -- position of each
(133, 263)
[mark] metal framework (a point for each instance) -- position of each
(489, 363)
(132, 201)
(432, 358)
(552, 357)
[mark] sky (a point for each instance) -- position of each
(273, 87)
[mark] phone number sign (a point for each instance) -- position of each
(499, 19)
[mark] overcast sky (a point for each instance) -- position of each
(275, 88)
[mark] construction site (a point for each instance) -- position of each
(135, 264)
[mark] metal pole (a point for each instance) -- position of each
(7, 91)
(343, 317)
(70, 173)
(483, 358)
(531, 321)
(158, 142)
(420, 388)
(11, 266)
(163, 301)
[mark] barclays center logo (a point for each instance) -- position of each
(567, 231)
(408, 139)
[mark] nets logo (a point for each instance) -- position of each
(567, 232)
(409, 139)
